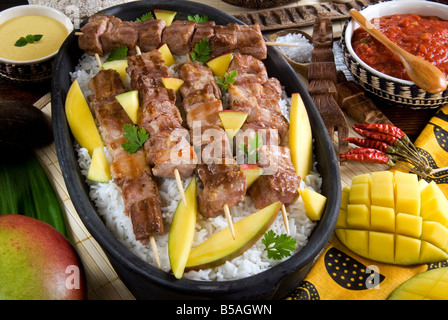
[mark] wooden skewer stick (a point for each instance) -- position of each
(268, 43)
(155, 250)
(180, 186)
(229, 220)
(285, 219)
(279, 44)
(98, 60)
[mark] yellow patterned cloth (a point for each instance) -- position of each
(340, 274)
(433, 146)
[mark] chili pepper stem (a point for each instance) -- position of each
(434, 171)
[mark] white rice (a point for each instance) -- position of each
(108, 200)
(302, 53)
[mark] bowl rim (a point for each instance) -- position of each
(405, 5)
(114, 249)
(40, 10)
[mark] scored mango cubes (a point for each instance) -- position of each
(393, 217)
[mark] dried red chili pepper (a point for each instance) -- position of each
(367, 155)
(383, 128)
(368, 143)
(375, 135)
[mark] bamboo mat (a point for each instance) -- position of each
(102, 281)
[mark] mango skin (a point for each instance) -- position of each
(38, 262)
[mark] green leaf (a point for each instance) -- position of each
(21, 42)
(201, 51)
(228, 78)
(278, 246)
(136, 138)
(118, 54)
(198, 18)
(146, 16)
(30, 38)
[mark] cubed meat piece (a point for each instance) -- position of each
(163, 123)
(196, 97)
(224, 40)
(111, 118)
(146, 70)
(90, 39)
(204, 30)
(224, 184)
(178, 36)
(251, 41)
(210, 143)
(197, 76)
(106, 84)
(250, 69)
(150, 33)
(143, 206)
(279, 181)
(205, 113)
(128, 167)
(156, 101)
(118, 33)
(174, 152)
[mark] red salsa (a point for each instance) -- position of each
(426, 37)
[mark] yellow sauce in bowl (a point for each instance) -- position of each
(53, 35)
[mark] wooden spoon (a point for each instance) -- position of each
(423, 73)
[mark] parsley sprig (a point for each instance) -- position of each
(228, 78)
(118, 53)
(278, 246)
(146, 16)
(201, 51)
(31, 38)
(197, 18)
(136, 138)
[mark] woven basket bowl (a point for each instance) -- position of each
(300, 67)
(389, 89)
(33, 71)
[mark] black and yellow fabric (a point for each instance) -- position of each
(340, 274)
(432, 145)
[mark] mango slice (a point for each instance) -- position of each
(221, 246)
(314, 203)
(80, 119)
(392, 217)
(300, 137)
(182, 228)
(99, 170)
(428, 285)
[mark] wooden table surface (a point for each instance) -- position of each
(409, 120)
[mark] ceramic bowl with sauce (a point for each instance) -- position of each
(388, 88)
(31, 61)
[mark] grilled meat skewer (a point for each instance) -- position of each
(103, 33)
(224, 182)
(129, 171)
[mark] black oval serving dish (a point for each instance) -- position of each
(144, 280)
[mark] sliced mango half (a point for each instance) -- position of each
(392, 217)
(428, 285)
